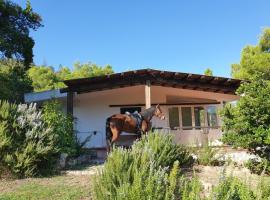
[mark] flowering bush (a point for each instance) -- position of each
(28, 146)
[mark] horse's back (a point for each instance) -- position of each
(123, 122)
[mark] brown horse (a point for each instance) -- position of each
(139, 123)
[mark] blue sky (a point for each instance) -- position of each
(186, 36)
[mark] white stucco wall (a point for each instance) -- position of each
(92, 109)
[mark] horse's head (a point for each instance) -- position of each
(158, 113)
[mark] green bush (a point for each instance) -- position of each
(61, 125)
(150, 170)
(28, 147)
(163, 150)
(247, 124)
(190, 189)
(207, 155)
(233, 189)
(258, 167)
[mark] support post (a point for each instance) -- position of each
(70, 96)
(148, 94)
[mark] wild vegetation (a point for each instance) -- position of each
(254, 59)
(13, 80)
(138, 173)
(150, 170)
(207, 155)
(247, 124)
(46, 78)
(30, 143)
(234, 188)
(15, 25)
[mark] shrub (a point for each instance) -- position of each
(247, 124)
(263, 189)
(235, 189)
(207, 155)
(61, 125)
(163, 150)
(190, 189)
(258, 167)
(27, 145)
(143, 172)
(232, 188)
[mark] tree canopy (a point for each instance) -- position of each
(15, 25)
(254, 59)
(45, 78)
(13, 80)
(208, 72)
(248, 123)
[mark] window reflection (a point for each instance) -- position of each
(212, 116)
(199, 117)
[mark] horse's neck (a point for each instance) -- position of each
(148, 114)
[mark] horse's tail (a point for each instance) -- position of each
(108, 134)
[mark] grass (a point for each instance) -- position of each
(59, 187)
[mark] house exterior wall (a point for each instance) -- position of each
(92, 109)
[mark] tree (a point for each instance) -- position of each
(15, 25)
(248, 123)
(254, 59)
(45, 78)
(28, 146)
(208, 72)
(90, 70)
(13, 80)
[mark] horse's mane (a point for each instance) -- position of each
(148, 113)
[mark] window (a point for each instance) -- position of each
(174, 117)
(212, 116)
(199, 117)
(186, 118)
(130, 109)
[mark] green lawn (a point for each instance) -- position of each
(59, 187)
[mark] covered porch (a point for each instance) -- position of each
(190, 103)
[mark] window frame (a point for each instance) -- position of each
(193, 127)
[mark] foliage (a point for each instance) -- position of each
(142, 172)
(89, 70)
(254, 59)
(236, 189)
(207, 155)
(208, 72)
(258, 167)
(15, 25)
(45, 78)
(61, 125)
(27, 146)
(232, 188)
(248, 123)
(13, 81)
(190, 189)
(163, 150)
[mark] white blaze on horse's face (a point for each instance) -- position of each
(158, 113)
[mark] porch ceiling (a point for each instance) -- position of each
(157, 78)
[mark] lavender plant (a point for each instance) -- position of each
(28, 146)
